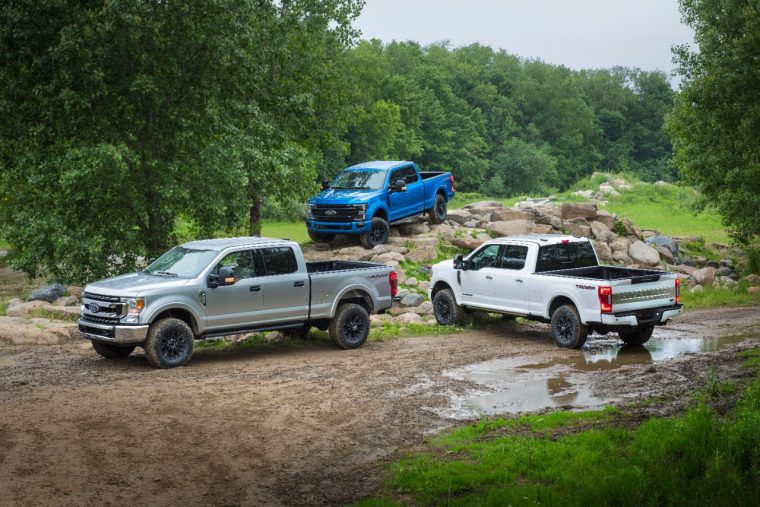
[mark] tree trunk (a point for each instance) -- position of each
(255, 215)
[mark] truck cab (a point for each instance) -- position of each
(365, 199)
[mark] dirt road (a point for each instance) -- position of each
(310, 425)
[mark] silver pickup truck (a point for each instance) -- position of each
(220, 287)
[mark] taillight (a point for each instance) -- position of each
(393, 280)
(605, 299)
(678, 290)
(452, 183)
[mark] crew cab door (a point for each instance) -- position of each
(409, 202)
(237, 305)
(285, 285)
(510, 287)
(478, 281)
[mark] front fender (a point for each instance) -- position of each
(181, 303)
(450, 280)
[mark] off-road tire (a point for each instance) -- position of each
(112, 351)
(169, 343)
(446, 310)
(350, 326)
(378, 234)
(320, 237)
(566, 328)
(635, 336)
(437, 214)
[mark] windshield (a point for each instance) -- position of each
(181, 262)
(360, 179)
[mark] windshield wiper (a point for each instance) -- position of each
(165, 273)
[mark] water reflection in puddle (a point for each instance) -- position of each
(519, 385)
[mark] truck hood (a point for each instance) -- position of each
(347, 196)
(134, 284)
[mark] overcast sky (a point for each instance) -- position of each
(575, 33)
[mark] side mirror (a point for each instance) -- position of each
(399, 186)
(325, 184)
(459, 263)
(226, 276)
(151, 260)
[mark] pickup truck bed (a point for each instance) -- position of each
(608, 273)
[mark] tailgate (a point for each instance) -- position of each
(627, 296)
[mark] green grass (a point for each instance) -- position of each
(295, 231)
(592, 458)
(718, 297)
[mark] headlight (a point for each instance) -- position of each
(361, 214)
(134, 307)
(309, 214)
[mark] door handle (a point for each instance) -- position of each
(255, 288)
(519, 281)
(298, 284)
(489, 277)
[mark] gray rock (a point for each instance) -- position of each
(704, 275)
(665, 242)
(664, 252)
(412, 299)
(466, 242)
(753, 279)
(620, 245)
(606, 218)
(411, 281)
(411, 229)
(723, 271)
(67, 301)
(459, 216)
(577, 229)
(576, 210)
(49, 293)
(471, 223)
(512, 228)
(543, 229)
(713, 264)
(641, 253)
(696, 289)
(409, 318)
(603, 251)
(507, 214)
(484, 204)
(621, 257)
(602, 232)
(727, 263)
(14, 302)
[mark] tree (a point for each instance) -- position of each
(119, 117)
(716, 118)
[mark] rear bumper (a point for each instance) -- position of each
(357, 227)
(649, 316)
(112, 334)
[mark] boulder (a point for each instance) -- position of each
(577, 229)
(753, 279)
(724, 271)
(443, 230)
(424, 286)
(388, 256)
(704, 275)
(696, 289)
(471, 223)
(409, 318)
(411, 282)
(425, 249)
(630, 228)
(753, 290)
(606, 218)
(412, 299)
(664, 252)
(459, 216)
(577, 210)
(49, 293)
(586, 194)
(603, 251)
(621, 257)
(75, 291)
(412, 229)
(467, 242)
(19, 331)
(512, 228)
(665, 242)
(602, 232)
(543, 229)
(24, 309)
(641, 253)
(14, 302)
(507, 214)
(67, 301)
(620, 245)
(355, 252)
(723, 262)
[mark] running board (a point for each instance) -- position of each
(241, 330)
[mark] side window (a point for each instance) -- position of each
(486, 257)
(397, 174)
(241, 263)
(410, 175)
(513, 257)
(279, 260)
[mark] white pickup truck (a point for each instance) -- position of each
(555, 279)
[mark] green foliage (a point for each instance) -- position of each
(715, 120)
(712, 297)
(698, 458)
(753, 261)
(121, 117)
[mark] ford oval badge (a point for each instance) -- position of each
(93, 307)
(331, 212)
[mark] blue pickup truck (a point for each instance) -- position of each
(366, 198)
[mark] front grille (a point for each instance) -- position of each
(100, 297)
(100, 320)
(336, 227)
(334, 212)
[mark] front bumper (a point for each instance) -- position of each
(650, 316)
(112, 333)
(356, 227)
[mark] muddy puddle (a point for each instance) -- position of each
(564, 379)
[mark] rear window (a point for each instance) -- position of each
(279, 260)
(565, 256)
